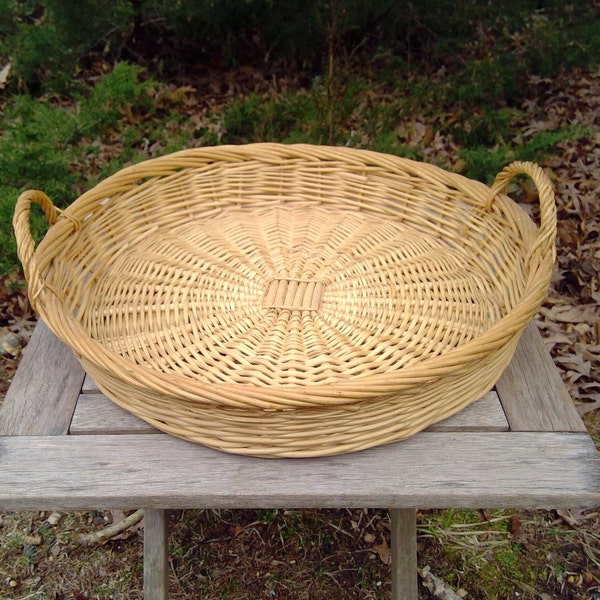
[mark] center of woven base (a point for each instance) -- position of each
(293, 294)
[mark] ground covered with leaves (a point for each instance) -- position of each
(335, 554)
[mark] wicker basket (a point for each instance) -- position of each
(295, 301)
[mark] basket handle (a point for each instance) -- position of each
(21, 225)
(547, 231)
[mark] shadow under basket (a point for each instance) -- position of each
(291, 301)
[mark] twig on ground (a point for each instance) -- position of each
(99, 537)
(439, 588)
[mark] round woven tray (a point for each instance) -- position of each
(278, 300)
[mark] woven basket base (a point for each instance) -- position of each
(302, 292)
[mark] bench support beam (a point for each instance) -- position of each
(156, 554)
(403, 523)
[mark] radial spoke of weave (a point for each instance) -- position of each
(291, 300)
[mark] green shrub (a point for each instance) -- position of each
(263, 118)
(47, 41)
(563, 38)
(117, 92)
(483, 162)
(34, 146)
(486, 125)
(42, 140)
(37, 142)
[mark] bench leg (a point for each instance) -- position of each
(403, 522)
(156, 554)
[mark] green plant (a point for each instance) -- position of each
(389, 142)
(37, 144)
(564, 37)
(485, 127)
(264, 118)
(483, 162)
(47, 40)
(115, 95)
(267, 516)
(43, 141)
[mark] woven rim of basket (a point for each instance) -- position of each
(344, 392)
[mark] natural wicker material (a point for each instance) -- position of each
(301, 300)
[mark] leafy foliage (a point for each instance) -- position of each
(483, 162)
(119, 91)
(47, 41)
(263, 118)
(41, 141)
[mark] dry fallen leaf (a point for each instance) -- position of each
(418, 134)
(587, 407)
(10, 344)
(383, 550)
(571, 314)
(4, 72)
(567, 517)
(54, 518)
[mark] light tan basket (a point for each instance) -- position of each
(276, 300)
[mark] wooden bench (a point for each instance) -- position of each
(64, 446)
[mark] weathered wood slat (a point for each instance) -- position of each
(89, 386)
(95, 414)
(44, 390)
(403, 526)
(429, 470)
(532, 392)
(156, 554)
(485, 414)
